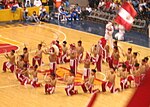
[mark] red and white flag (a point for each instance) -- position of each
(126, 15)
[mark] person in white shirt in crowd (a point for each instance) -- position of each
(37, 3)
(101, 5)
(28, 3)
(143, 5)
(89, 9)
(113, 7)
(42, 9)
(60, 8)
(14, 7)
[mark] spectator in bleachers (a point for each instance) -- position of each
(37, 3)
(113, 7)
(44, 2)
(84, 13)
(9, 5)
(88, 9)
(2, 6)
(60, 8)
(34, 17)
(42, 10)
(26, 18)
(144, 9)
(135, 4)
(67, 3)
(96, 3)
(78, 9)
(144, 5)
(107, 6)
(15, 4)
(101, 5)
(68, 16)
(74, 15)
(57, 3)
(44, 16)
(63, 15)
(28, 4)
(91, 3)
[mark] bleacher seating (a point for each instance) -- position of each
(105, 17)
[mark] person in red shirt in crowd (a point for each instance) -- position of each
(57, 3)
(8, 4)
(107, 5)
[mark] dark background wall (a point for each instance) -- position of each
(80, 2)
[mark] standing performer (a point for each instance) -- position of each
(88, 85)
(99, 57)
(70, 85)
(114, 61)
(108, 33)
(60, 52)
(11, 63)
(80, 51)
(64, 50)
(50, 84)
(73, 58)
(102, 43)
(53, 60)
(107, 50)
(94, 52)
(38, 56)
(35, 78)
(86, 72)
(110, 83)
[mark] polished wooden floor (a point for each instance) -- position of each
(12, 94)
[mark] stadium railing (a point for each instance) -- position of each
(101, 16)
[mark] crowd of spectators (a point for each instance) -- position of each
(65, 12)
(34, 17)
(141, 6)
(72, 12)
(68, 12)
(75, 12)
(8, 4)
(42, 15)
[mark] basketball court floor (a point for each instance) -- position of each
(16, 36)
